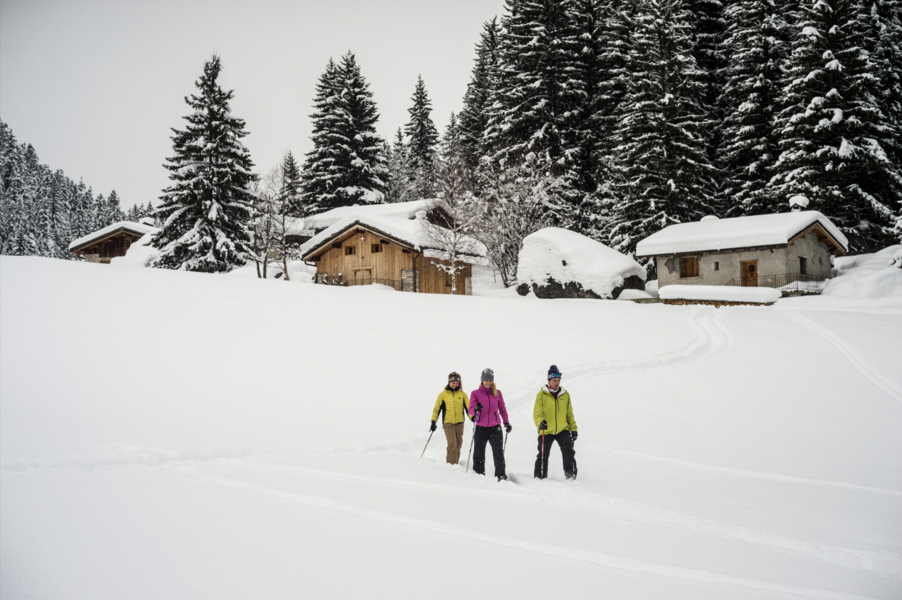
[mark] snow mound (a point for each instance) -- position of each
(568, 257)
(867, 276)
(716, 293)
(634, 295)
(139, 254)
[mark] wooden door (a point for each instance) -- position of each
(749, 273)
(363, 274)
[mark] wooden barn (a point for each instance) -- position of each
(365, 249)
(111, 241)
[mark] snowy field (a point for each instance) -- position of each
(179, 435)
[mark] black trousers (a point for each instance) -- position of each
(565, 441)
(493, 436)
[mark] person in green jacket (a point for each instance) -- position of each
(553, 414)
(453, 405)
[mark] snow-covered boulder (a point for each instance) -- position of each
(557, 263)
(867, 276)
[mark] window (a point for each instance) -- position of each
(689, 266)
(803, 265)
(716, 266)
(375, 248)
(349, 250)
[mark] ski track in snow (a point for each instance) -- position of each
(869, 371)
(543, 493)
(597, 558)
(748, 474)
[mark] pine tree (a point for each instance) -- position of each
(399, 187)
(423, 137)
(206, 210)
(291, 178)
(752, 83)
(347, 163)
(664, 173)
(480, 91)
(833, 135)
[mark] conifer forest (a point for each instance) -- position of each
(612, 118)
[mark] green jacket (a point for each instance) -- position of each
(452, 406)
(557, 412)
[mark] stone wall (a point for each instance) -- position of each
(553, 289)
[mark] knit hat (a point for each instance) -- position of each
(488, 375)
(554, 372)
(453, 376)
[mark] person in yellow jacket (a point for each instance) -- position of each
(553, 414)
(454, 405)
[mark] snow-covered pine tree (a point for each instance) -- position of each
(480, 91)
(532, 112)
(423, 139)
(709, 25)
(664, 175)
(756, 47)
(347, 163)
(833, 134)
(291, 181)
(207, 209)
(399, 187)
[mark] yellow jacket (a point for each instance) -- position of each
(556, 412)
(453, 406)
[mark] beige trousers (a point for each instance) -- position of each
(454, 433)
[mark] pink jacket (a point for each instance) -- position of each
(491, 406)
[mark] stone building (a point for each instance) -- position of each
(786, 251)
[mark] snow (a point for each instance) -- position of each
(400, 210)
(566, 256)
(719, 292)
(134, 227)
(738, 232)
(139, 254)
(409, 231)
(799, 200)
(866, 276)
(252, 439)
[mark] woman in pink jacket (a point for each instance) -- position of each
(486, 404)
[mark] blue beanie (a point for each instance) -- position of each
(553, 372)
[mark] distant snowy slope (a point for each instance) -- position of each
(166, 434)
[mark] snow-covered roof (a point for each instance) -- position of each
(408, 232)
(739, 232)
(136, 228)
(565, 256)
(724, 293)
(400, 210)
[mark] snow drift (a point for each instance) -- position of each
(867, 276)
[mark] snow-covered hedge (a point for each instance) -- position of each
(721, 293)
(867, 276)
(557, 263)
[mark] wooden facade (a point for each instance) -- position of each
(109, 246)
(361, 256)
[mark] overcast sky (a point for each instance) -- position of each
(96, 85)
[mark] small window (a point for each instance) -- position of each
(375, 248)
(689, 266)
(803, 266)
(349, 250)
(716, 266)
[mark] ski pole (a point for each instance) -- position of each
(504, 447)
(472, 441)
(543, 455)
(427, 443)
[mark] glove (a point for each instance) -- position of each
(543, 425)
(573, 435)
(432, 427)
(507, 427)
(479, 407)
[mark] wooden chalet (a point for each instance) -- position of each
(365, 249)
(111, 241)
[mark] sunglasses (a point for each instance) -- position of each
(555, 376)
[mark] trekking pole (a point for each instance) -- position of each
(504, 447)
(427, 443)
(543, 455)
(472, 441)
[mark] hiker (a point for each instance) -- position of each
(453, 404)
(553, 415)
(487, 402)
